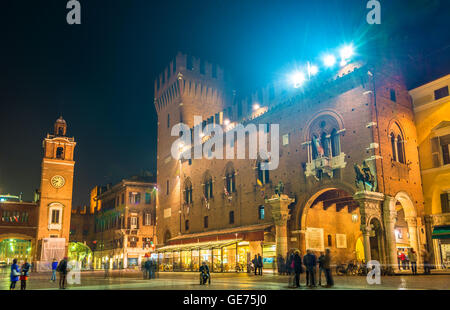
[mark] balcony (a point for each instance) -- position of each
(325, 165)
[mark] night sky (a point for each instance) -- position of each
(99, 75)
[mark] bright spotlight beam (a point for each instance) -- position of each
(329, 60)
(346, 52)
(297, 79)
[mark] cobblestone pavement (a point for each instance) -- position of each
(96, 280)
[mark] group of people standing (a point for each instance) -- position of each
(258, 264)
(408, 260)
(294, 265)
(149, 268)
(21, 274)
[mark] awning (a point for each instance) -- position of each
(197, 246)
(441, 232)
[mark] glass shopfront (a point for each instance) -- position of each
(269, 255)
(221, 256)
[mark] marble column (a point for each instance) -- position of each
(390, 218)
(280, 214)
(369, 208)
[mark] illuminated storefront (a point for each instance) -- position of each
(220, 256)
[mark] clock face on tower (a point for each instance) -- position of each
(57, 181)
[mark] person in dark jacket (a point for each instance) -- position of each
(24, 273)
(260, 265)
(280, 261)
(327, 268)
(15, 272)
(289, 258)
(204, 273)
(62, 269)
(255, 264)
(297, 267)
(310, 262)
(321, 268)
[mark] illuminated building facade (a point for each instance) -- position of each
(432, 114)
(226, 211)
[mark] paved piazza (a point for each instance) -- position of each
(132, 280)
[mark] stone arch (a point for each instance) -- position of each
(325, 114)
(407, 203)
(302, 208)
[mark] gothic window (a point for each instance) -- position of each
(397, 144)
(208, 186)
(60, 152)
(188, 191)
(230, 179)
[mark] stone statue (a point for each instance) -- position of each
(279, 189)
(365, 178)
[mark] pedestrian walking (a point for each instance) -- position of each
(298, 269)
(327, 268)
(413, 259)
(260, 265)
(106, 267)
(310, 262)
(321, 267)
(15, 273)
(24, 273)
(205, 276)
(255, 264)
(54, 266)
(62, 270)
(403, 260)
(426, 262)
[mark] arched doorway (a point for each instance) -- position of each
(331, 219)
(406, 237)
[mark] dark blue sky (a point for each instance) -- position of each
(99, 75)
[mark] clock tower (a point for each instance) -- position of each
(56, 194)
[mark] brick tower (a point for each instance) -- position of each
(56, 194)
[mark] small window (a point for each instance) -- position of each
(261, 212)
(329, 240)
(60, 153)
(167, 188)
(231, 217)
(148, 198)
(441, 93)
(148, 219)
(186, 225)
(168, 120)
(55, 216)
(263, 175)
(133, 221)
(285, 139)
(205, 222)
(393, 96)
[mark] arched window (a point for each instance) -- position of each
(60, 152)
(263, 175)
(335, 143)
(400, 150)
(230, 179)
(397, 144)
(188, 191)
(393, 147)
(208, 186)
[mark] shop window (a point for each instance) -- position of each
(231, 217)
